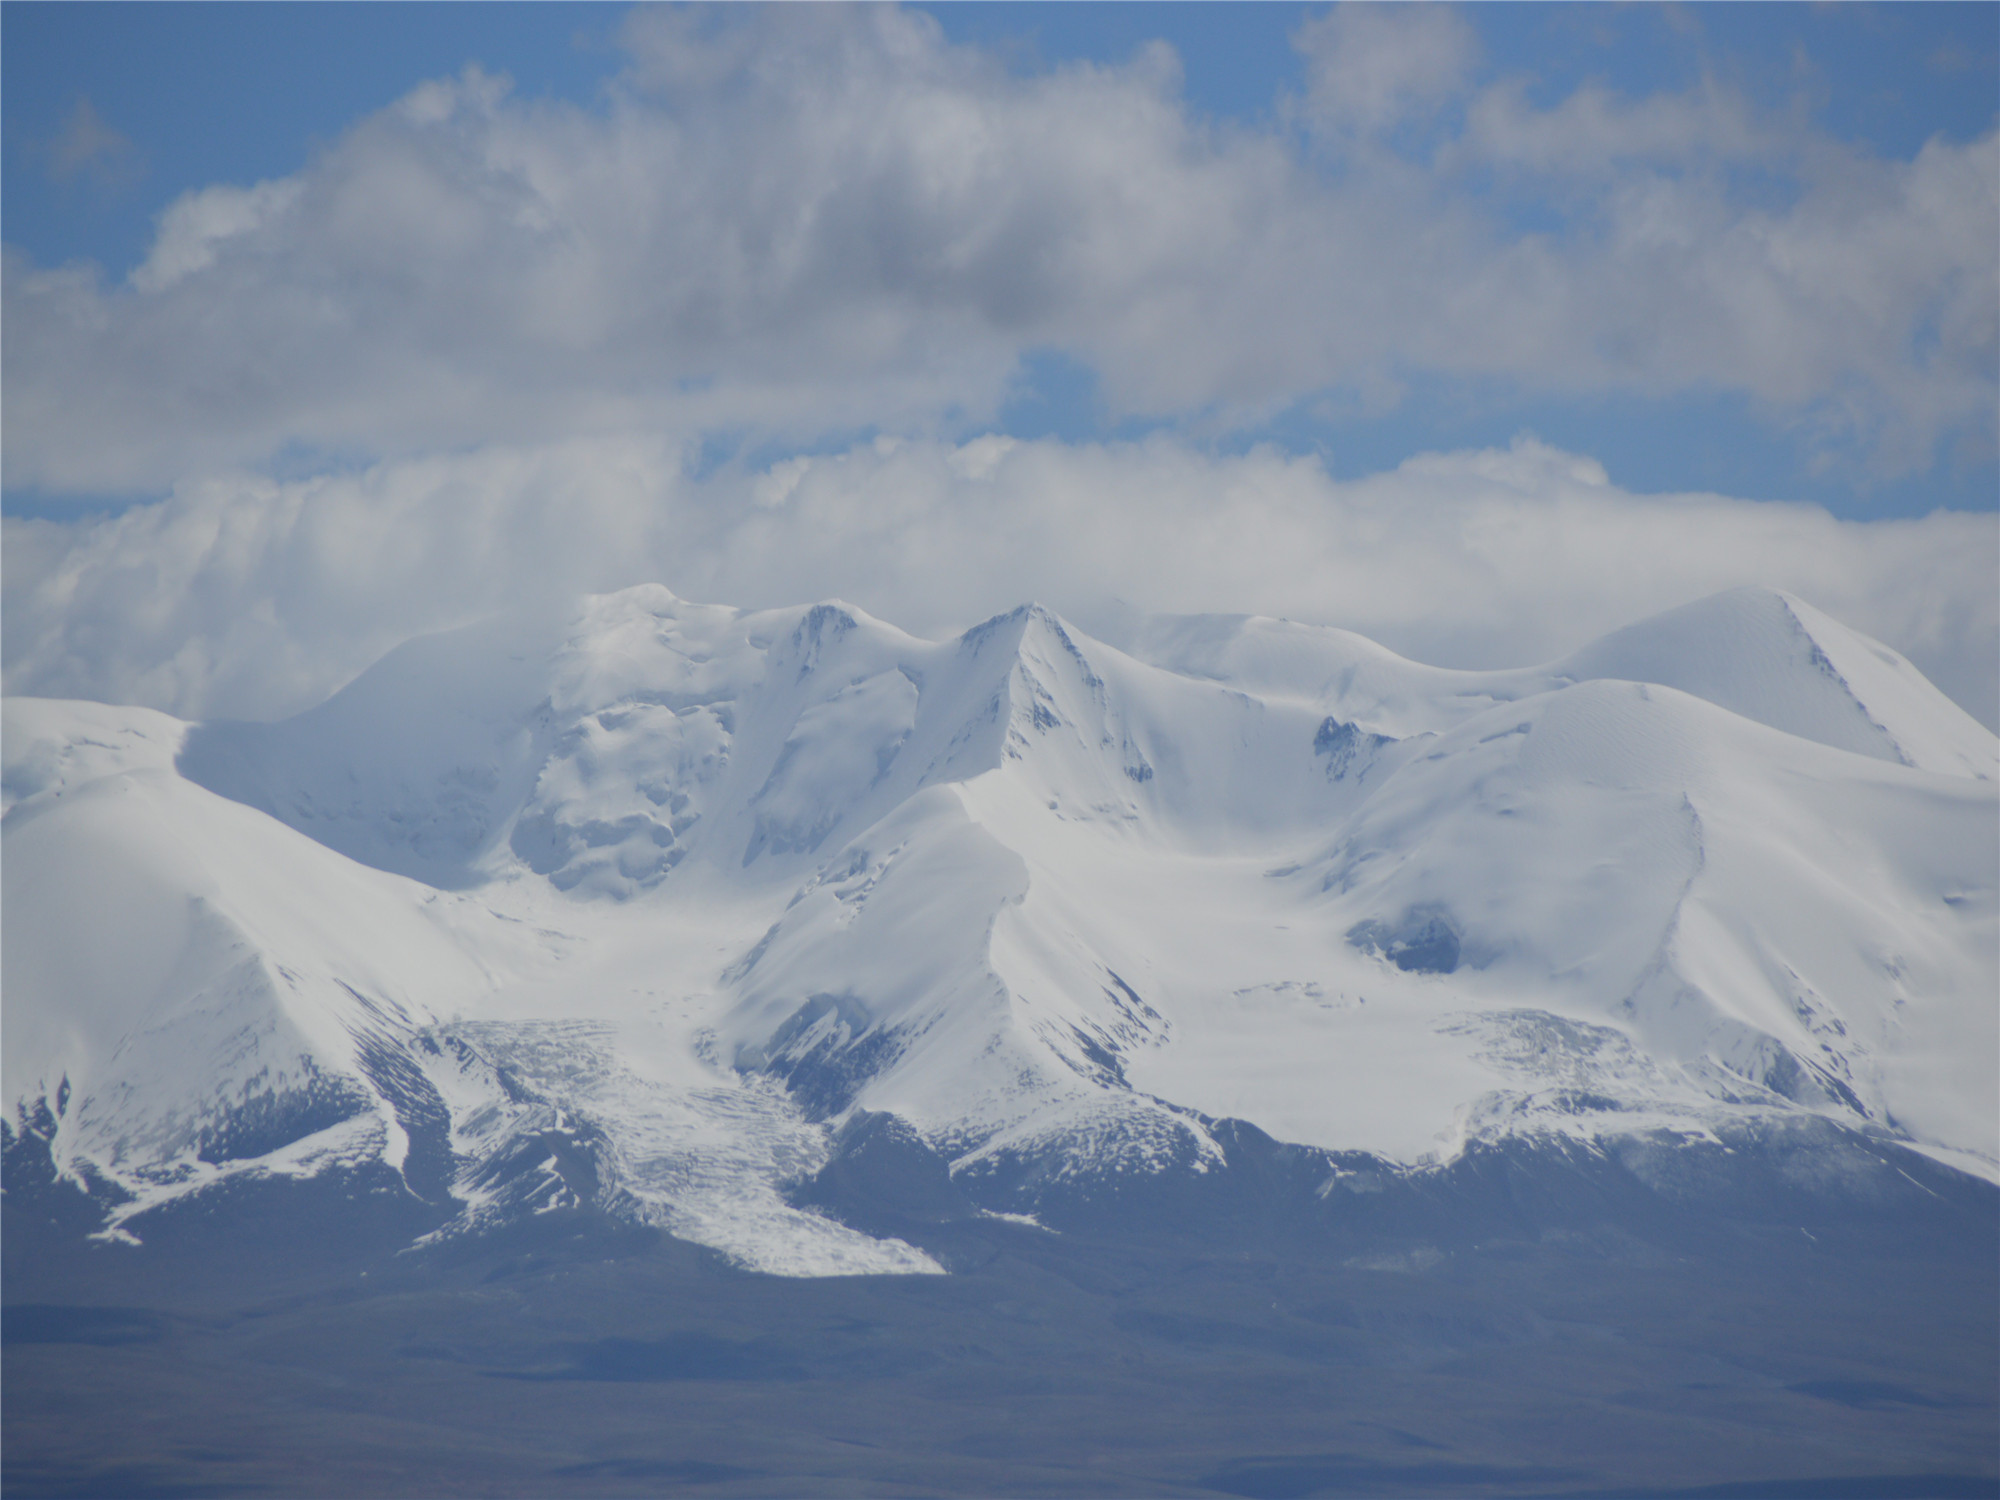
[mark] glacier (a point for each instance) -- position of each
(683, 914)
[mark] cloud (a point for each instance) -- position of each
(1371, 67)
(1594, 131)
(89, 146)
(251, 597)
(803, 220)
(198, 226)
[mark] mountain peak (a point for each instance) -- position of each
(1772, 657)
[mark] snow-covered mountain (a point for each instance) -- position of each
(660, 908)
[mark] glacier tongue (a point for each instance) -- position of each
(628, 912)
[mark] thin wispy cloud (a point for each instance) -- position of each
(88, 147)
(255, 598)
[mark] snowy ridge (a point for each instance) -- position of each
(632, 910)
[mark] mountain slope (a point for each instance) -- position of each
(193, 987)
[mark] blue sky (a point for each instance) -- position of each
(178, 97)
(1479, 330)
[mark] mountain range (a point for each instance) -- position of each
(790, 934)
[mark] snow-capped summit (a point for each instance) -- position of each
(1777, 660)
(645, 907)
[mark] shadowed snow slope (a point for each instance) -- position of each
(646, 909)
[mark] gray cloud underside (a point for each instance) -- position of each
(250, 597)
(811, 220)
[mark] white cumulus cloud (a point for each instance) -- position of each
(805, 220)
